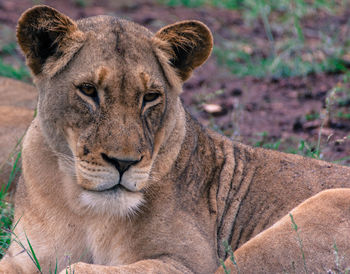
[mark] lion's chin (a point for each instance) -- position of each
(117, 201)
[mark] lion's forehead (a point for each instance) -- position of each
(117, 38)
(105, 22)
(117, 55)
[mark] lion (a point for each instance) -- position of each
(17, 106)
(119, 178)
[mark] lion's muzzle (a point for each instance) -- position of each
(121, 165)
(112, 174)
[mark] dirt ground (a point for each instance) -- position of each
(241, 108)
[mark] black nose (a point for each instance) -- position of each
(120, 165)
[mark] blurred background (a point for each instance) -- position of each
(279, 75)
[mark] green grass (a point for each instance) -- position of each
(9, 48)
(263, 141)
(303, 148)
(230, 254)
(253, 5)
(312, 116)
(243, 64)
(286, 58)
(343, 115)
(6, 70)
(6, 209)
(82, 3)
(307, 150)
(186, 3)
(13, 67)
(287, 54)
(295, 228)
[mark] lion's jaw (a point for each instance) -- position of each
(100, 189)
(103, 191)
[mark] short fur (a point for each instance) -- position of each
(321, 235)
(188, 188)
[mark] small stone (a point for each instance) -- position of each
(212, 108)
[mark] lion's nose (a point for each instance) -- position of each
(121, 165)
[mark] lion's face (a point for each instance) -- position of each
(112, 102)
(108, 108)
(111, 126)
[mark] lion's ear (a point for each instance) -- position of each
(189, 45)
(48, 39)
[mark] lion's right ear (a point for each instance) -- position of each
(188, 44)
(48, 39)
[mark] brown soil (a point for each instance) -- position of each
(248, 106)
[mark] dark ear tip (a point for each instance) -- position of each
(38, 9)
(31, 15)
(191, 44)
(205, 39)
(202, 29)
(35, 12)
(35, 18)
(207, 36)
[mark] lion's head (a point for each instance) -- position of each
(109, 99)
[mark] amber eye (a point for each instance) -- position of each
(88, 90)
(150, 97)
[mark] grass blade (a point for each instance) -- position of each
(14, 171)
(33, 254)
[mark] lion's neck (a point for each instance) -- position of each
(198, 162)
(166, 152)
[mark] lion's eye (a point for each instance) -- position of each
(88, 90)
(150, 97)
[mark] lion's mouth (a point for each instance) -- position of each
(116, 188)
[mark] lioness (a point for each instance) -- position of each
(118, 176)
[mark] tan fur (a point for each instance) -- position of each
(16, 112)
(188, 188)
(323, 223)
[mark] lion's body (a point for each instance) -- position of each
(320, 235)
(17, 105)
(116, 176)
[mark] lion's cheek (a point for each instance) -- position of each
(71, 139)
(135, 181)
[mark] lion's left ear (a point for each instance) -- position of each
(189, 45)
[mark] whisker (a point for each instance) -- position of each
(67, 163)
